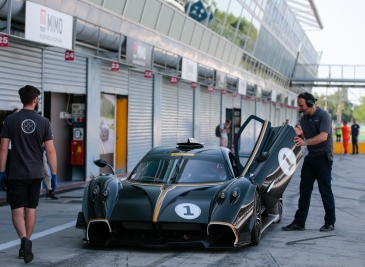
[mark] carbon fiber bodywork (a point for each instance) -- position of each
(152, 210)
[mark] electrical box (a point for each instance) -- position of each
(78, 133)
(78, 110)
(77, 152)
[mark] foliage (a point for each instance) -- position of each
(106, 108)
(359, 112)
(332, 106)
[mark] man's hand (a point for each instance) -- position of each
(298, 141)
(54, 182)
(2, 181)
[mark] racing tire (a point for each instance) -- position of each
(256, 229)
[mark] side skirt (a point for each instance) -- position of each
(266, 221)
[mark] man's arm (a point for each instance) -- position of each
(51, 156)
(4, 146)
(312, 141)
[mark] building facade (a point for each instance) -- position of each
(144, 73)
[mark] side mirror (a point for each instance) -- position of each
(101, 163)
(263, 156)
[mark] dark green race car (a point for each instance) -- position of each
(191, 194)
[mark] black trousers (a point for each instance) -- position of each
(355, 147)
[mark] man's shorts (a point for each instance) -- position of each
(24, 193)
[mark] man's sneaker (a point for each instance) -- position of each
(21, 253)
(26, 245)
(326, 228)
(293, 227)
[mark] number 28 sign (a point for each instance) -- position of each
(4, 40)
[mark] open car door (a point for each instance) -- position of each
(266, 153)
(248, 142)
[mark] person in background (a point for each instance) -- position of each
(27, 130)
(345, 136)
(355, 128)
(316, 124)
(225, 129)
(338, 132)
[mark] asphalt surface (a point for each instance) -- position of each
(56, 242)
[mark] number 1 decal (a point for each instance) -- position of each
(188, 211)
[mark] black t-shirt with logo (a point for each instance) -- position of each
(27, 130)
(355, 130)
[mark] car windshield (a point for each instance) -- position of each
(180, 170)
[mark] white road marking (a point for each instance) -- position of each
(38, 235)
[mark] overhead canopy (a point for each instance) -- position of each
(306, 13)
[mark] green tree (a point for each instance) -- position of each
(332, 105)
(359, 112)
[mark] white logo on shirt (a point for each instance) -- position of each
(28, 126)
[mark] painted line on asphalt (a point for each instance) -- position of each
(38, 235)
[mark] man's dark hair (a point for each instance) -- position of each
(307, 96)
(28, 93)
(228, 121)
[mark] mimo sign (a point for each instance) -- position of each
(48, 26)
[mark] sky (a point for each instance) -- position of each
(342, 39)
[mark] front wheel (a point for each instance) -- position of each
(256, 229)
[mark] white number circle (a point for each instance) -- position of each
(187, 211)
(287, 161)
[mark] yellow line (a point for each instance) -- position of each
(159, 202)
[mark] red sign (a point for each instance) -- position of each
(264, 100)
(114, 66)
(234, 94)
(194, 85)
(148, 73)
(4, 40)
(243, 97)
(252, 98)
(258, 99)
(173, 80)
(223, 92)
(210, 88)
(69, 55)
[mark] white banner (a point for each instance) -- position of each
(45, 25)
(189, 70)
(242, 87)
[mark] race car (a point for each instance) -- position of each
(192, 194)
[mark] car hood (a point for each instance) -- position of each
(165, 203)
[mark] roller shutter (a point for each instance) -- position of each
(169, 113)
(237, 102)
(19, 65)
(140, 112)
(113, 82)
(176, 112)
(265, 110)
(185, 112)
(229, 100)
(209, 116)
(64, 76)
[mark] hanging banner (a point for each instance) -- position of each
(220, 80)
(48, 26)
(138, 53)
(4, 40)
(242, 87)
(189, 70)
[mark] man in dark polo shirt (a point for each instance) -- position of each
(26, 130)
(316, 124)
(355, 128)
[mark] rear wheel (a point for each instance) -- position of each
(256, 230)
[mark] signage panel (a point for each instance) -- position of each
(4, 40)
(242, 87)
(138, 53)
(48, 26)
(189, 70)
(221, 80)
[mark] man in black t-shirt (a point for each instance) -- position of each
(26, 130)
(355, 128)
